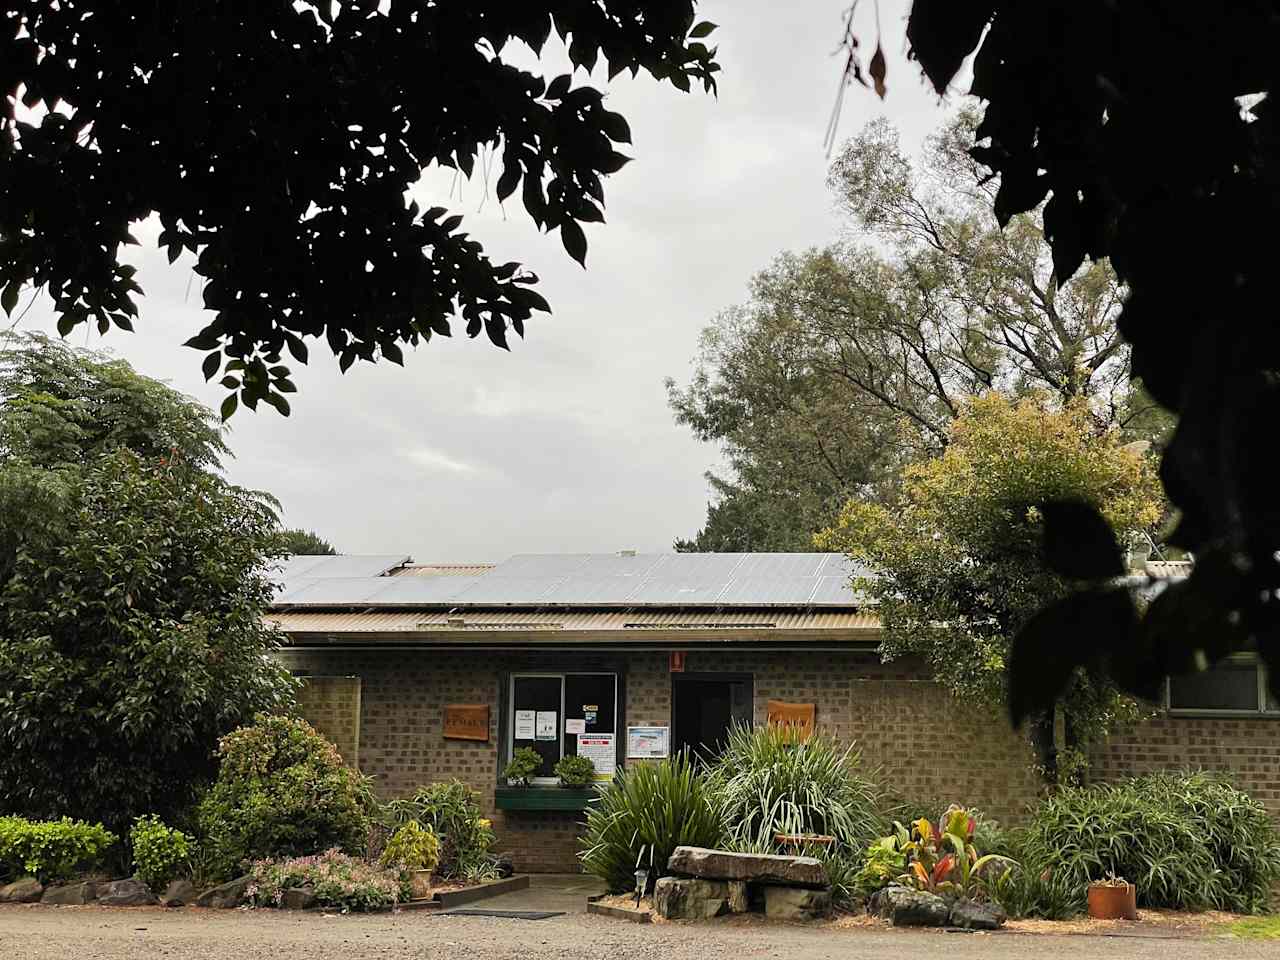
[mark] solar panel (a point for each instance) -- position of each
(766, 591)
(698, 567)
(415, 591)
(829, 591)
(761, 565)
(676, 593)
(335, 591)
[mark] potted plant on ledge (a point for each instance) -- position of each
(1113, 899)
(524, 764)
(575, 772)
(416, 850)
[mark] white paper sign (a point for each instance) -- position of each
(575, 726)
(546, 725)
(599, 749)
(648, 743)
(524, 724)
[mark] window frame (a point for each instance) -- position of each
(1259, 712)
(509, 733)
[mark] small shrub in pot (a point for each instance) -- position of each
(575, 771)
(524, 764)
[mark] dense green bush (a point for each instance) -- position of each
(160, 853)
(451, 810)
(413, 847)
(770, 781)
(281, 791)
(523, 764)
(575, 771)
(1189, 841)
(52, 849)
(646, 812)
(338, 881)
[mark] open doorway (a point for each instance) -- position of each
(705, 705)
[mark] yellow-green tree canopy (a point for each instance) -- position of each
(957, 555)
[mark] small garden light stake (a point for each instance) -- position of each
(642, 881)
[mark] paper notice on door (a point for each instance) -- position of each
(600, 750)
(546, 725)
(524, 724)
(575, 726)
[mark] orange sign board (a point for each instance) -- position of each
(798, 716)
(466, 721)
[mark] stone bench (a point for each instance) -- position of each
(709, 883)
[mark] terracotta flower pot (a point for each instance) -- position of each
(1113, 903)
(420, 884)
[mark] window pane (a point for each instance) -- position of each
(1228, 686)
(590, 697)
(540, 694)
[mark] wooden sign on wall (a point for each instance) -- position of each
(466, 721)
(798, 716)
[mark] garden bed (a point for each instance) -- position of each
(622, 906)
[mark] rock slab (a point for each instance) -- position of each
(71, 894)
(977, 916)
(178, 893)
(749, 867)
(911, 908)
(125, 893)
(795, 903)
(739, 897)
(22, 890)
(298, 898)
(677, 898)
(225, 895)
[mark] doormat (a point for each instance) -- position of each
(506, 914)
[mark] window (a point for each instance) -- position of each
(541, 703)
(1234, 685)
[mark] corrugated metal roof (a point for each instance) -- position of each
(429, 622)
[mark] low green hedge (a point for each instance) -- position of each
(52, 849)
(1185, 841)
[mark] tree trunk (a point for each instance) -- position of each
(1045, 743)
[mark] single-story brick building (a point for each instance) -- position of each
(423, 672)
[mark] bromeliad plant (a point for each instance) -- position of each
(942, 859)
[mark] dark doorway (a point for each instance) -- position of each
(705, 705)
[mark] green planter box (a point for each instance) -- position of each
(542, 798)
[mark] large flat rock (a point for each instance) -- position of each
(750, 867)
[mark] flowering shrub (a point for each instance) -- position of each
(281, 791)
(159, 852)
(336, 879)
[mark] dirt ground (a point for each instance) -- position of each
(96, 933)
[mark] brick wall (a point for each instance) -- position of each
(1247, 749)
(332, 706)
(916, 739)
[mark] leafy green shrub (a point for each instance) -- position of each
(160, 853)
(52, 849)
(770, 781)
(281, 791)
(642, 815)
(523, 765)
(883, 863)
(941, 858)
(575, 771)
(451, 810)
(414, 847)
(338, 881)
(1186, 841)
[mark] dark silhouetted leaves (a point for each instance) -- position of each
(279, 151)
(1078, 542)
(943, 32)
(1072, 633)
(877, 68)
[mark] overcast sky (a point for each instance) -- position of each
(566, 443)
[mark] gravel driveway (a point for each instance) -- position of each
(97, 933)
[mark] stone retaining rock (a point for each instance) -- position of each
(125, 893)
(298, 898)
(71, 894)
(795, 903)
(677, 898)
(178, 894)
(225, 895)
(22, 890)
(910, 908)
(977, 916)
(751, 867)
